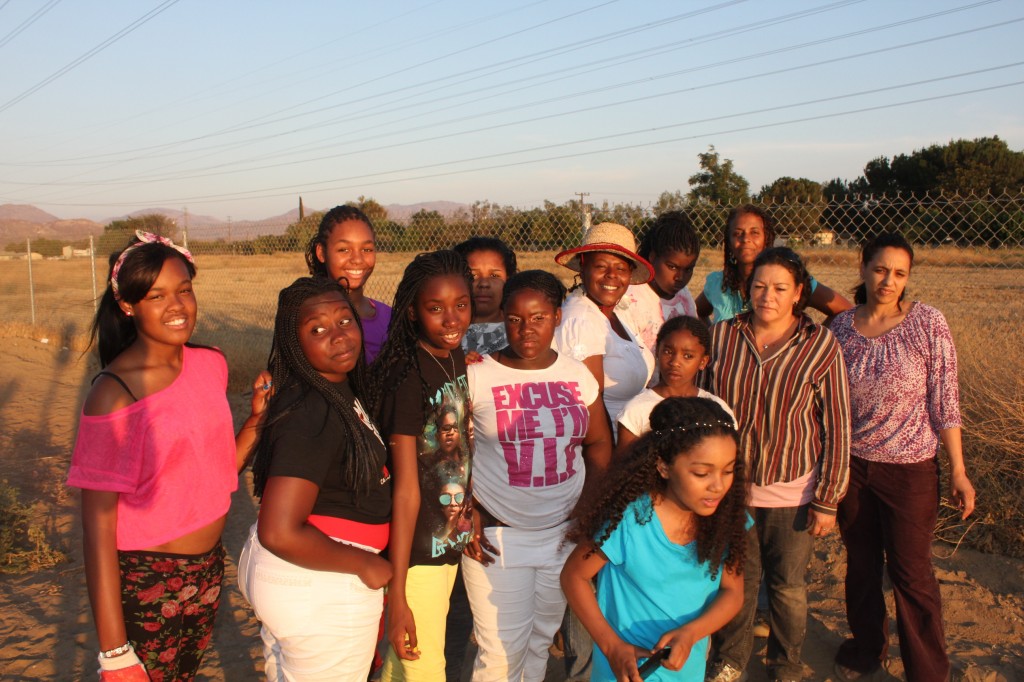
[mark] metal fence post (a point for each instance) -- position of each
(92, 263)
(31, 286)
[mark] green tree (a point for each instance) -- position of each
(426, 231)
(377, 214)
(797, 205)
(117, 233)
(717, 181)
(670, 201)
(298, 234)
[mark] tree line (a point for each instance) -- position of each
(965, 192)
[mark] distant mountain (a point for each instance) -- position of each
(402, 212)
(20, 222)
(25, 213)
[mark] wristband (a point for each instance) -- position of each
(116, 651)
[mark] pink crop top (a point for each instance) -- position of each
(171, 455)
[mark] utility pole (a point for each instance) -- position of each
(230, 241)
(584, 210)
(184, 233)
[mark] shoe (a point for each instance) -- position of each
(761, 629)
(723, 672)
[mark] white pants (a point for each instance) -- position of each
(517, 602)
(317, 625)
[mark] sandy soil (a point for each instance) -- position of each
(45, 625)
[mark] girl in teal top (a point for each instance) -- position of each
(665, 538)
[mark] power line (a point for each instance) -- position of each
(91, 53)
(574, 95)
(272, 192)
(33, 18)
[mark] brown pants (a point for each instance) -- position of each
(888, 517)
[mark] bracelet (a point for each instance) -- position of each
(116, 651)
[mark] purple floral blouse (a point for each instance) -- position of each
(903, 386)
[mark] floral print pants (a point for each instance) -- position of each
(169, 603)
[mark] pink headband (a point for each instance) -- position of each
(144, 238)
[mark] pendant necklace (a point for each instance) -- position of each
(451, 377)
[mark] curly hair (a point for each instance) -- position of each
(398, 355)
(787, 258)
(112, 330)
(678, 425)
(336, 216)
(290, 369)
(731, 279)
(671, 231)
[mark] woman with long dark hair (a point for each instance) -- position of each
(905, 404)
(310, 567)
(157, 461)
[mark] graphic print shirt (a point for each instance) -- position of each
(444, 450)
(529, 427)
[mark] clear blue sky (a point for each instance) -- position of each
(236, 108)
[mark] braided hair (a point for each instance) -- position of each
(678, 425)
(113, 330)
(291, 370)
(336, 216)
(398, 357)
(731, 279)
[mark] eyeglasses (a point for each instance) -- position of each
(446, 498)
(447, 428)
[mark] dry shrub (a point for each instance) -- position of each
(24, 544)
(992, 402)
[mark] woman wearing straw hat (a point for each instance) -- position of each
(591, 331)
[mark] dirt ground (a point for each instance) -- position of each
(45, 626)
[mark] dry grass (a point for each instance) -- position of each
(984, 305)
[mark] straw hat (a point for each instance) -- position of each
(609, 238)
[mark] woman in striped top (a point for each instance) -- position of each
(785, 379)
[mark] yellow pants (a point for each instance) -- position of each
(427, 591)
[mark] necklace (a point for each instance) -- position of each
(451, 377)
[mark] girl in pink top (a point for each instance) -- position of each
(157, 461)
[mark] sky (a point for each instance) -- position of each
(235, 109)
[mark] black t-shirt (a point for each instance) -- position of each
(307, 444)
(441, 427)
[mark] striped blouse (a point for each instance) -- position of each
(793, 408)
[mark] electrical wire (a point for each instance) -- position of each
(88, 55)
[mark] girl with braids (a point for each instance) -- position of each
(420, 378)
(665, 537)
(310, 567)
(672, 248)
(344, 249)
(682, 350)
(540, 434)
(749, 230)
(157, 462)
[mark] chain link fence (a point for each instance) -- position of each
(244, 266)
(969, 263)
